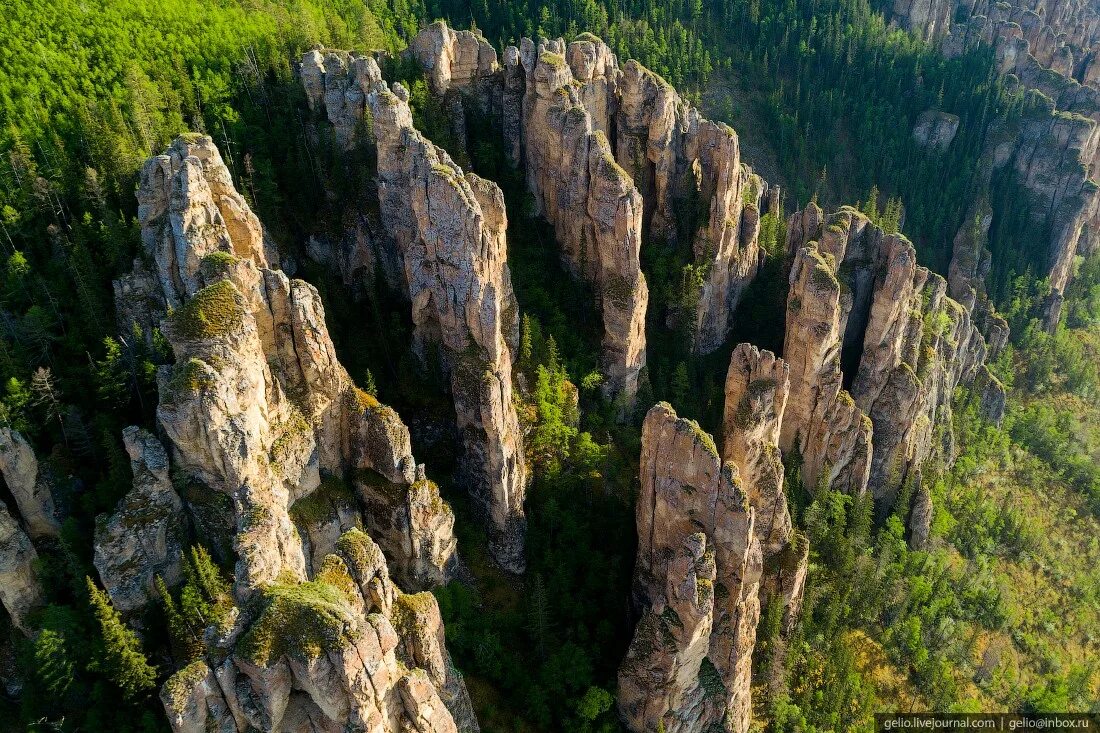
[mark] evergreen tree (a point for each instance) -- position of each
(123, 659)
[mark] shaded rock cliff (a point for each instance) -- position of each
(31, 490)
(20, 590)
(443, 238)
(687, 168)
(145, 536)
(591, 201)
(696, 584)
(449, 227)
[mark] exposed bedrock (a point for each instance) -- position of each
(442, 244)
(145, 537)
(860, 301)
(345, 651)
(757, 385)
(592, 203)
(688, 168)
(28, 486)
(696, 583)
(257, 408)
(1054, 151)
(449, 229)
(20, 590)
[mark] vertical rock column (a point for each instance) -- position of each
(257, 407)
(822, 423)
(449, 229)
(689, 171)
(696, 584)
(590, 200)
(757, 384)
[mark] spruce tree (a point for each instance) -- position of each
(123, 660)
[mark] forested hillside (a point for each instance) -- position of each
(997, 610)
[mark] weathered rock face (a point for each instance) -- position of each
(756, 390)
(30, 490)
(908, 344)
(935, 129)
(684, 163)
(459, 59)
(560, 107)
(785, 580)
(257, 407)
(145, 536)
(444, 247)
(920, 519)
(1061, 36)
(338, 82)
(1054, 152)
(590, 200)
(347, 650)
(20, 591)
(696, 584)
(823, 424)
(449, 229)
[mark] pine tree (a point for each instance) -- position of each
(123, 660)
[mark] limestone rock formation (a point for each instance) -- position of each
(591, 201)
(823, 424)
(696, 585)
(859, 299)
(448, 228)
(145, 536)
(676, 157)
(785, 579)
(20, 591)
(1054, 151)
(935, 129)
(28, 487)
(257, 407)
(347, 650)
(561, 107)
(756, 390)
(920, 519)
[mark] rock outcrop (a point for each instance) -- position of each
(784, 580)
(689, 171)
(20, 591)
(859, 300)
(935, 129)
(257, 407)
(822, 424)
(696, 584)
(591, 201)
(347, 650)
(757, 385)
(686, 168)
(1053, 150)
(31, 490)
(444, 248)
(146, 535)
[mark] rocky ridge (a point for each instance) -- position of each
(445, 236)
(696, 583)
(860, 302)
(258, 411)
(686, 168)
(1054, 151)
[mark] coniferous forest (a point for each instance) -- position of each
(999, 610)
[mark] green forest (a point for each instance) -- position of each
(1002, 613)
